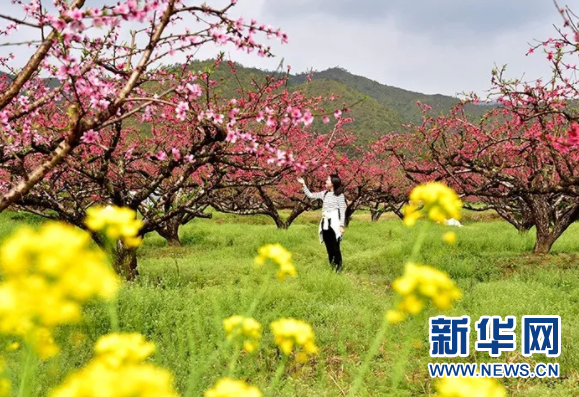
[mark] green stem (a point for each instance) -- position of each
(369, 356)
(257, 299)
(398, 373)
(419, 241)
(25, 372)
(278, 373)
(224, 344)
(112, 305)
(233, 362)
(114, 315)
(190, 386)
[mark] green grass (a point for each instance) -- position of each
(184, 293)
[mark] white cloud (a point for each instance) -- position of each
(442, 47)
(446, 58)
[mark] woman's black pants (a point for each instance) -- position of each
(333, 248)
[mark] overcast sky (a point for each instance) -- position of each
(430, 46)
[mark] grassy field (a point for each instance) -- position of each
(184, 293)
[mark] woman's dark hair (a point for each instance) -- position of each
(337, 184)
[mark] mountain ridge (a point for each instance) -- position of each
(380, 108)
(402, 100)
(384, 108)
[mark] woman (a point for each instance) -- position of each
(333, 217)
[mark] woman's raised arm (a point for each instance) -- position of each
(317, 195)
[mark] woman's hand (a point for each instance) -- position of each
(342, 230)
(301, 180)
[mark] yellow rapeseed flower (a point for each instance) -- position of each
(411, 304)
(244, 328)
(119, 370)
(438, 202)
(119, 349)
(47, 275)
(290, 333)
(42, 342)
(227, 387)
(97, 379)
(278, 254)
(411, 214)
(470, 387)
(13, 347)
(5, 387)
(395, 316)
(418, 285)
(116, 223)
(449, 237)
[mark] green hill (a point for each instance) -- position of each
(379, 108)
(398, 99)
(385, 109)
(371, 118)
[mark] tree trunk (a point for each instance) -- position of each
(349, 212)
(271, 210)
(552, 216)
(523, 229)
(545, 223)
(375, 215)
(517, 213)
(125, 262)
(543, 243)
(170, 232)
(398, 211)
(298, 209)
(124, 258)
(280, 222)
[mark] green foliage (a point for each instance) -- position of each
(371, 118)
(184, 293)
(383, 108)
(396, 99)
(229, 84)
